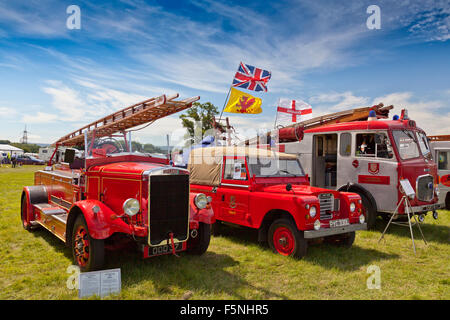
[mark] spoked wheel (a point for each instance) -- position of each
(284, 238)
(87, 252)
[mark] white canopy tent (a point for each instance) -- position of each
(6, 148)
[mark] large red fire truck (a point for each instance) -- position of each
(367, 156)
(270, 192)
(113, 194)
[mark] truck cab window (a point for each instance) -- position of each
(365, 145)
(443, 160)
(235, 169)
(345, 144)
(373, 145)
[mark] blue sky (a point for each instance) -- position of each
(55, 80)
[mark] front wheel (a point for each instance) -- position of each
(369, 211)
(200, 244)
(88, 253)
(284, 238)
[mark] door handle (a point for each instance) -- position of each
(223, 197)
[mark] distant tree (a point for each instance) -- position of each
(201, 113)
(31, 148)
(5, 142)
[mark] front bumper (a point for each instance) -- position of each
(426, 208)
(311, 234)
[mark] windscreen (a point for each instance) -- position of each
(406, 144)
(271, 167)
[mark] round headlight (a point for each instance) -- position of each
(352, 207)
(362, 219)
(312, 211)
(317, 225)
(131, 207)
(200, 201)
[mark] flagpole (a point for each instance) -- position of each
(276, 117)
(224, 104)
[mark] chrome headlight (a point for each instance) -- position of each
(362, 219)
(200, 201)
(317, 225)
(352, 207)
(131, 207)
(312, 211)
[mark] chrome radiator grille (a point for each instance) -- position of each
(425, 188)
(326, 201)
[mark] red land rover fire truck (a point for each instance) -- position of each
(367, 157)
(113, 194)
(269, 191)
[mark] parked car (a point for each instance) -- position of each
(23, 159)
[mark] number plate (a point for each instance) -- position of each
(339, 223)
(164, 249)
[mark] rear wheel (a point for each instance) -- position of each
(447, 201)
(284, 238)
(200, 244)
(345, 240)
(88, 253)
(24, 214)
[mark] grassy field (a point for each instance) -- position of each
(33, 265)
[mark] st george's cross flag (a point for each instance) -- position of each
(251, 78)
(292, 111)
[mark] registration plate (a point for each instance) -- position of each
(339, 223)
(164, 249)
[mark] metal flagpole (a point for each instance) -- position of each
(225, 103)
(276, 117)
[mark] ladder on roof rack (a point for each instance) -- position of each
(129, 117)
(439, 138)
(294, 131)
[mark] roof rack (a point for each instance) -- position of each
(129, 117)
(439, 138)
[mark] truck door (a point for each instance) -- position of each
(233, 192)
(344, 163)
(375, 168)
(443, 161)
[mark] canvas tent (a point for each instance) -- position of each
(6, 148)
(205, 164)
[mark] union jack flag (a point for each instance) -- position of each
(251, 78)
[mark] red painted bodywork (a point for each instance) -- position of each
(249, 202)
(106, 183)
(407, 169)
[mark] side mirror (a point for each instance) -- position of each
(69, 155)
(288, 187)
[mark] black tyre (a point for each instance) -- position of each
(447, 201)
(200, 243)
(88, 253)
(369, 211)
(216, 228)
(284, 238)
(24, 214)
(344, 240)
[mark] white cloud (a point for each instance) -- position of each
(40, 117)
(6, 112)
(433, 116)
(334, 101)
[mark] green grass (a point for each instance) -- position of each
(33, 265)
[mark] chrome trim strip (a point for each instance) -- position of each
(234, 185)
(311, 234)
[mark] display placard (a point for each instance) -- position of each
(101, 283)
(407, 188)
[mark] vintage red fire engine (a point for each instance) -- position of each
(269, 191)
(113, 194)
(367, 157)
